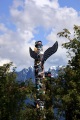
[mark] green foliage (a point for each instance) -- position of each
(31, 112)
(12, 94)
(66, 90)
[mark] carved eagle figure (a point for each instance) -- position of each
(47, 53)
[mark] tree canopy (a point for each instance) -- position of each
(66, 90)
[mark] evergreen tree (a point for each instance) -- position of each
(12, 95)
(66, 90)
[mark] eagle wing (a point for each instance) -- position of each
(33, 54)
(50, 51)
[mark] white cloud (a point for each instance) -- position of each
(49, 3)
(15, 47)
(27, 15)
(3, 61)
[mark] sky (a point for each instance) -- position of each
(22, 22)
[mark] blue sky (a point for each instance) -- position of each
(70, 3)
(22, 22)
(5, 5)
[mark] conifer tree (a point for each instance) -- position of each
(12, 95)
(66, 90)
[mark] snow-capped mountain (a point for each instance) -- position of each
(25, 74)
(28, 73)
(54, 71)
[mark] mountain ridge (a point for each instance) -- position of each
(28, 73)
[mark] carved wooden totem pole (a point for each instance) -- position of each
(39, 60)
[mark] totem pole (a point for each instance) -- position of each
(40, 59)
